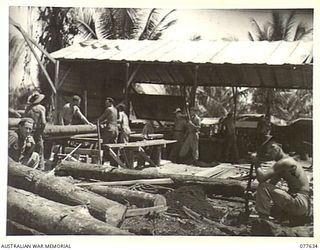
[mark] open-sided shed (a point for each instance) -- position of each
(96, 69)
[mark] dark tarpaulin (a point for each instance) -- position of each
(156, 107)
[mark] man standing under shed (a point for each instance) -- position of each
(71, 113)
(21, 144)
(191, 143)
(231, 149)
(179, 134)
(283, 203)
(123, 121)
(109, 126)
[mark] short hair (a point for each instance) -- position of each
(109, 99)
(76, 98)
(121, 107)
(25, 120)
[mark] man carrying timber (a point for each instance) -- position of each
(179, 134)
(21, 144)
(279, 202)
(71, 113)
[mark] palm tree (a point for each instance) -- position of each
(125, 23)
(280, 28)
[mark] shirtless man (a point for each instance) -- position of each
(293, 202)
(71, 113)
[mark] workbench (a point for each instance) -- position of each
(140, 149)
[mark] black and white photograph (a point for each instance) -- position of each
(159, 121)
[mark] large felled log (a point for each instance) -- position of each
(15, 228)
(59, 130)
(262, 227)
(92, 171)
(138, 198)
(57, 189)
(52, 217)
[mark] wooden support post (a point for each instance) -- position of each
(129, 157)
(145, 157)
(234, 93)
(127, 89)
(85, 102)
(115, 157)
(194, 87)
(156, 155)
(55, 99)
(99, 143)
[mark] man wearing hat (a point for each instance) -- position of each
(292, 203)
(179, 134)
(191, 143)
(21, 144)
(71, 113)
(109, 126)
(37, 112)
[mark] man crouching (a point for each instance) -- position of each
(292, 204)
(21, 144)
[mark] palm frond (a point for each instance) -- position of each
(85, 23)
(301, 32)
(161, 23)
(257, 30)
(150, 24)
(85, 30)
(288, 26)
(277, 24)
(104, 24)
(250, 36)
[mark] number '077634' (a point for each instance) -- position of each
(310, 246)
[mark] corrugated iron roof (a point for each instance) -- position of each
(199, 52)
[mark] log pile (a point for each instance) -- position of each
(51, 217)
(40, 203)
(86, 198)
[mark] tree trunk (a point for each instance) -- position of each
(123, 196)
(59, 190)
(92, 171)
(51, 217)
(14, 228)
(60, 130)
